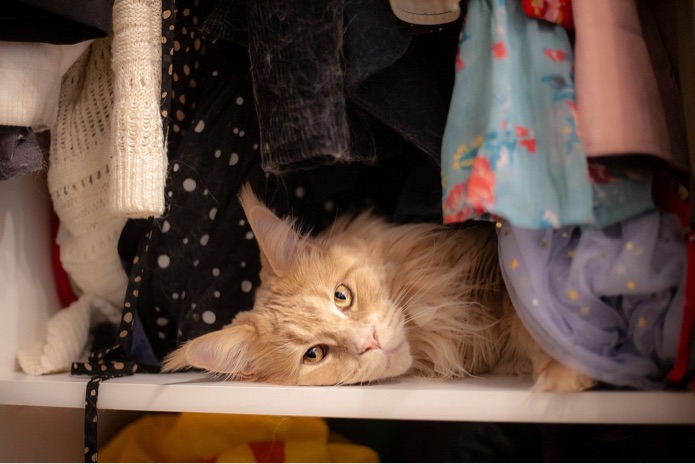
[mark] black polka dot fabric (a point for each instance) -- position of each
(203, 261)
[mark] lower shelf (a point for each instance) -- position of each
(484, 399)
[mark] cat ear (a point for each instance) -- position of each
(278, 241)
(226, 351)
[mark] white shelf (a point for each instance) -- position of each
(493, 399)
(28, 299)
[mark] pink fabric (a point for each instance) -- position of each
(619, 107)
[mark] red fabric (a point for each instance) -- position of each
(268, 451)
(688, 323)
(670, 196)
(554, 11)
(62, 281)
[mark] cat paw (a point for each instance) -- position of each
(556, 377)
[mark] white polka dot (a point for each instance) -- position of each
(242, 222)
(215, 73)
(193, 305)
(235, 130)
(170, 194)
(189, 185)
(242, 133)
(196, 262)
(299, 192)
(329, 205)
(212, 214)
(234, 159)
(163, 261)
(205, 192)
(199, 127)
(161, 335)
(246, 286)
(162, 321)
(249, 235)
(183, 295)
(243, 264)
(204, 240)
(216, 293)
(174, 296)
(185, 240)
(218, 153)
(166, 226)
(215, 271)
(176, 167)
(255, 146)
(239, 101)
(157, 308)
(209, 317)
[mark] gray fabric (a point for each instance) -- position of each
(298, 78)
(20, 152)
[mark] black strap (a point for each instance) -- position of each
(112, 361)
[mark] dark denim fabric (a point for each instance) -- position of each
(321, 75)
(54, 21)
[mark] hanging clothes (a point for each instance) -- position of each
(298, 76)
(606, 302)
(619, 100)
(510, 145)
(555, 11)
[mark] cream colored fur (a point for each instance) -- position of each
(428, 300)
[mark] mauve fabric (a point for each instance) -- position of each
(620, 111)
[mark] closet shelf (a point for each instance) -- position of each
(489, 399)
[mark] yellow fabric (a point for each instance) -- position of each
(196, 437)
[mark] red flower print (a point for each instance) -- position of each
(481, 185)
(525, 141)
(459, 62)
(555, 55)
(521, 131)
(456, 198)
(529, 144)
(499, 50)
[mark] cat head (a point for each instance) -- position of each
(323, 314)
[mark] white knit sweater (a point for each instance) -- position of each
(107, 163)
(108, 160)
(79, 177)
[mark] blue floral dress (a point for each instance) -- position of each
(511, 146)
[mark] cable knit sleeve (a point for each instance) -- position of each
(138, 156)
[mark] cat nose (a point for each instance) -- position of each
(370, 342)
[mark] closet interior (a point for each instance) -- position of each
(181, 108)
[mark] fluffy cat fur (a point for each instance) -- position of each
(425, 300)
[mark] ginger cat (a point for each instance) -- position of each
(367, 300)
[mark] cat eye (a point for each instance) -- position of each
(342, 297)
(315, 354)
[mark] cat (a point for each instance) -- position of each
(368, 300)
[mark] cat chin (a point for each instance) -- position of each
(398, 360)
(395, 362)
